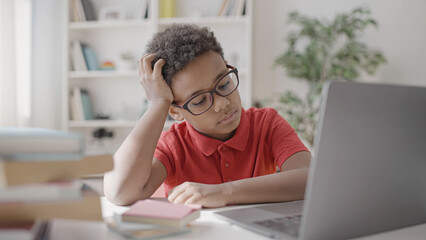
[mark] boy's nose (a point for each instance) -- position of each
(219, 102)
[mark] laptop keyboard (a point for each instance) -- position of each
(288, 224)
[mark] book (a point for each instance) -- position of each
(33, 144)
(77, 56)
(81, 105)
(141, 12)
(75, 15)
(87, 207)
(243, 12)
(90, 58)
(78, 103)
(89, 12)
(143, 231)
(112, 217)
(239, 8)
(223, 8)
(74, 115)
(80, 10)
(78, 13)
(14, 173)
(167, 8)
(31, 230)
(161, 213)
(229, 8)
(87, 105)
(147, 10)
(39, 192)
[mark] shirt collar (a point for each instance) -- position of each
(209, 145)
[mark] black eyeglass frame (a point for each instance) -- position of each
(213, 90)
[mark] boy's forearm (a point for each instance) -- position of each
(133, 160)
(284, 186)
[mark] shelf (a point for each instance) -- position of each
(102, 74)
(102, 123)
(108, 123)
(205, 20)
(117, 74)
(118, 92)
(108, 24)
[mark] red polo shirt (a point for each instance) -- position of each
(262, 141)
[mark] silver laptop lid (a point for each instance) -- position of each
(369, 170)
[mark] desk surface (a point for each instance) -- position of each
(206, 227)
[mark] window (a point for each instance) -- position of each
(15, 62)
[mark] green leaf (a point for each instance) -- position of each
(323, 49)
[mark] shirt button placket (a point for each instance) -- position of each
(226, 164)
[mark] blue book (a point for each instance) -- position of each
(87, 105)
(90, 58)
(40, 144)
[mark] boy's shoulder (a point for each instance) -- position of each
(264, 118)
(177, 127)
(176, 130)
(260, 112)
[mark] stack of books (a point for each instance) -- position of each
(233, 8)
(23, 231)
(148, 219)
(83, 57)
(81, 107)
(40, 171)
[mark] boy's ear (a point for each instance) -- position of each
(175, 113)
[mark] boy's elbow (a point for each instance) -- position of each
(123, 194)
(122, 199)
(118, 199)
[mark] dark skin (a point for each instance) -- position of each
(137, 174)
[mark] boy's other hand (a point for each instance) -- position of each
(152, 80)
(207, 195)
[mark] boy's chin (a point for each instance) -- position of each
(222, 133)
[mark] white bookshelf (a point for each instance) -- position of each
(108, 124)
(205, 20)
(90, 25)
(117, 93)
(102, 74)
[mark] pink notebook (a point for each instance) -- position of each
(157, 209)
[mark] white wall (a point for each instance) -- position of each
(46, 63)
(401, 37)
(8, 101)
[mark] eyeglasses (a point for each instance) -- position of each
(203, 101)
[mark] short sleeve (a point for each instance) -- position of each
(284, 140)
(164, 153)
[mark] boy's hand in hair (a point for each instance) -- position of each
(152, 80)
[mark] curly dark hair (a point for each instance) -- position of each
(179, 45)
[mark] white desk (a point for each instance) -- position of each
(206, 227)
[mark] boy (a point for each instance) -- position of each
(221, 154)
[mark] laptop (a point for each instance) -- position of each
(368, 173)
